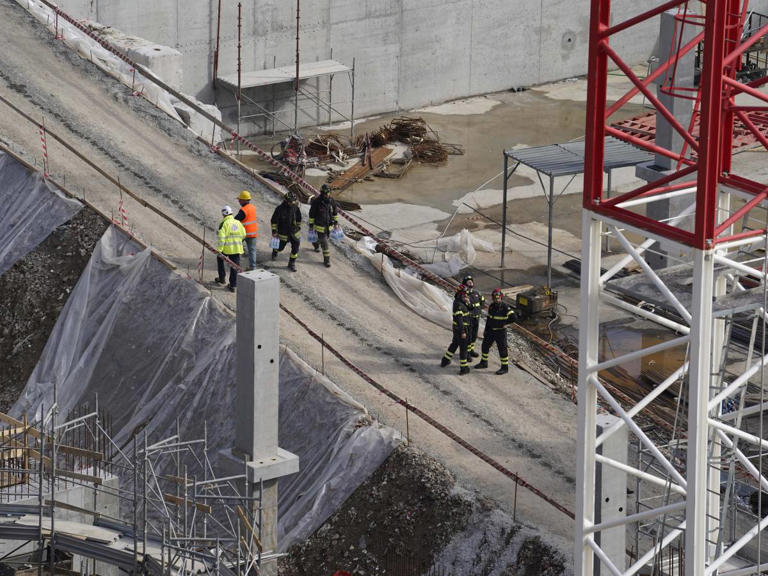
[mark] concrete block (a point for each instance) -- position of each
(283, 464)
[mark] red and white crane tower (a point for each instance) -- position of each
(716, 234)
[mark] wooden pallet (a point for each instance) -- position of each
(360, 171)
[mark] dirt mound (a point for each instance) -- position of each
(34, 291)
(410, 518)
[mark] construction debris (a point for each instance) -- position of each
(373, 152)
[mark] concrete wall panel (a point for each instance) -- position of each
(435, 52)
(500, 36)
(408, 52)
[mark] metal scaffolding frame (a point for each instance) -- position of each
(175, 515)
(721, 241)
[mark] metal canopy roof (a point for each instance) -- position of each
(284, 74)
(567, 159)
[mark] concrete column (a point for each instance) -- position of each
(257, 399)
(611, 493)
(680, 75)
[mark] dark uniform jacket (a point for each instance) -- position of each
(322, 213)
(499, 315)
(476, 302)
(460, 316)
(286, 219)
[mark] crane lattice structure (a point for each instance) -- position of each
(716, 234)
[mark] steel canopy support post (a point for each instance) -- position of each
(550, 202)
(587, 394)
(504, 214)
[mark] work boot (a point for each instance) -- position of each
(444, 362)
(219, 280)
(327, 262)
(473, 354)
(482, 364)
(316, 246)
(274, 254)
(292, 266)
(231, 288)
(464, 370)
(502, 370)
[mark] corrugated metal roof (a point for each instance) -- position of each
(284, 74)
(568, 158)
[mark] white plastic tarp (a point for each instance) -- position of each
(156, 347)
(30, 209)
(448, 255)
(427, 300)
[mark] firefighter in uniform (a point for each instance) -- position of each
(247, 216)
(286, 225)
(461, 325)
(322, 217)
(476, 304)
(499, 315)
(231, 235)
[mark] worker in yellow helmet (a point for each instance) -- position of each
(231, 235)
(247, 216)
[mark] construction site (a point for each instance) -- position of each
(600, 168)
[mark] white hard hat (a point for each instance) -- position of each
(226, 211)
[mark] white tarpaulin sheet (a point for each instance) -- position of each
(156, 347)
(30, 209)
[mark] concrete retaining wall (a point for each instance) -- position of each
(408, 53)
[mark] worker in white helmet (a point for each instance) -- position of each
(231, 235)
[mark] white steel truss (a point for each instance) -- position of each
(717, 388)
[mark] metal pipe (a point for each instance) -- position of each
(352, 112)
(239, 67)
(296, 83)
(52, 555)
(216, 52)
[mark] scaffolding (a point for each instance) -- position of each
(154, 505)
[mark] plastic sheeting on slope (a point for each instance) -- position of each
(30, 209)
(154, 347)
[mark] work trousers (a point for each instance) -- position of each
(250, 243)
(322, 242)
(461, 344)
(295, 242)
(474, 325)
(500, 338)
(232, 270)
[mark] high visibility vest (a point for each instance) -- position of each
(231, 236)
(250, 221)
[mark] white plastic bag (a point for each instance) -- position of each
(337, 233)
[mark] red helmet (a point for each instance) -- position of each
(497, 292)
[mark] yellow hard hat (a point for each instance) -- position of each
(244, 195)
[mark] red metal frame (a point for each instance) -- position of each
(712, 150)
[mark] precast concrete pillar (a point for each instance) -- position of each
(674, 90)
(611, 492)
(257, 400)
